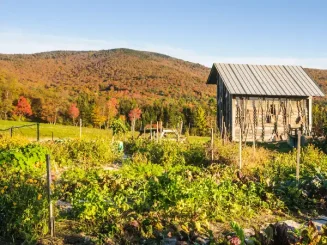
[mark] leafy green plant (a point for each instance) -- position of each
(23, 203)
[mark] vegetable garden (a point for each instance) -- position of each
(164, 192)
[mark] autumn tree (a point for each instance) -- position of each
(133, 115)
(52, 108)
(9, 90)
(112, 110)
(97, 118)
(23, 108)
(200, 121)
(73, 112)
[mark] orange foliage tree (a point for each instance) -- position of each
(73, 112)
(133, 115)
(112, 110)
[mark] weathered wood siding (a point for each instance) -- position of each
(224, 108)
(273, 119)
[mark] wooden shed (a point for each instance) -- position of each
(262, 102)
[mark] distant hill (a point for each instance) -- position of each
(124, 72)
(320, 76)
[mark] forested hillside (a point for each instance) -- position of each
(101, 86)
(164, 88)
(136, 74)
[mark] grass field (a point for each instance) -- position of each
(47, 130)
(63, 131)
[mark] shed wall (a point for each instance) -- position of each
(269, 119)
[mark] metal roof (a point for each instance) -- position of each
(265, 80)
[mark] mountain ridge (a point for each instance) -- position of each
(125, 73)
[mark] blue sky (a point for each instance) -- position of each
(263, 32)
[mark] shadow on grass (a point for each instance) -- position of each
(280, 146)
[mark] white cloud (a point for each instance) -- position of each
(21, 42)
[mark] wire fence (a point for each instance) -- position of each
(28, 130)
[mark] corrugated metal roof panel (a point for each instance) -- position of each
(263, 81)
(266, 80)
(247, 85)
(229, 79)
(273, 82)
(256, 84)
(288, 86)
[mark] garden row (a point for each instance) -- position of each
(164, 190)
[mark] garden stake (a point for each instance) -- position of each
(211, 145)
(240, 147)
(157, 131)
(298, 156)
(51, 218)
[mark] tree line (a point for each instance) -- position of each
(103, 111)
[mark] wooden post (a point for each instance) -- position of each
(151, 130)
(157, 131)
(298, 155)
(161, 127)
(51, 218)
(240, 147)
(181, 128)
(11, 131)
(80, 128)
(37, 132)
(212, 145)
(253, 138)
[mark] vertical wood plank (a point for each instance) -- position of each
(233, 107)
(240, 148)
(310, 114)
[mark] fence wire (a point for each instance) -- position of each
(28, 130)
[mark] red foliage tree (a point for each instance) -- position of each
(73, 112)
(133, 115)
(23, 108)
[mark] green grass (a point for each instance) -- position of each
(63, 131)
(46, 131)
(198, 139)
